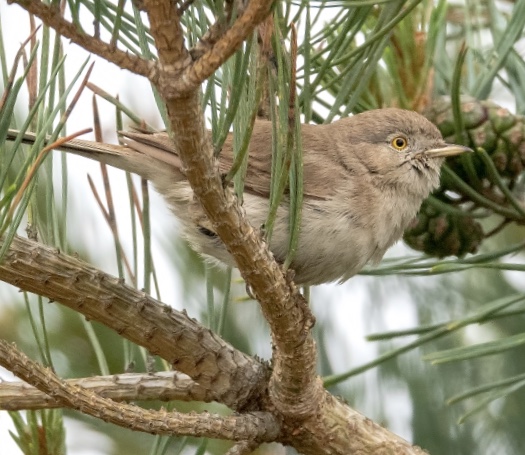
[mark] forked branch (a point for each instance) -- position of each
(259, 426)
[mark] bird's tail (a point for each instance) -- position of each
(149, 155)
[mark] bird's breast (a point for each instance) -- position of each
(336, 242)
(337, 236)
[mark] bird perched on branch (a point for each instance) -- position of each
(365, 178)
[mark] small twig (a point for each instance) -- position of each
(8, 85)
(109, 217)
(32, 170)
(161, 386)
(32, 75)
(497, 229)
(214, 32)
(53, 18)
(205, 43)
(226, 45)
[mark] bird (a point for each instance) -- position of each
(365, 177)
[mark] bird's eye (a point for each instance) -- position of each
(399, 143)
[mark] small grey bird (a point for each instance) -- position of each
(365, 178)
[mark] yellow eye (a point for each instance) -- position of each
(399, 143)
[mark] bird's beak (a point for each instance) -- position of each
(446, 150)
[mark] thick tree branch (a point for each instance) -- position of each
(161, 386)
(164, 18)
(257, 426)
(233, 378)
(52, 18)
(338, 429)
(335, 429)
(178, 76)
(294, 388)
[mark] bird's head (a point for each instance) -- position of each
(400, 148)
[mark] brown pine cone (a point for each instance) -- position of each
(487, 125)
(442, 234)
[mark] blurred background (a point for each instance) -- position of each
(446, 305)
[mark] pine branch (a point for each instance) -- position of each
(232, 377)
(335, 429)
(255, 426)
(53, 18)
(225, 46)
(295, 388)
(160, 386)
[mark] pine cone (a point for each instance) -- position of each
(443, 234)
(489, 126)
(502, 135)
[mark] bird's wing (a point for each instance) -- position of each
(258, 175)
(318, 179)
(258, 172)
(140, 147)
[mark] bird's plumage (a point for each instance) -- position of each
(360, 191)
